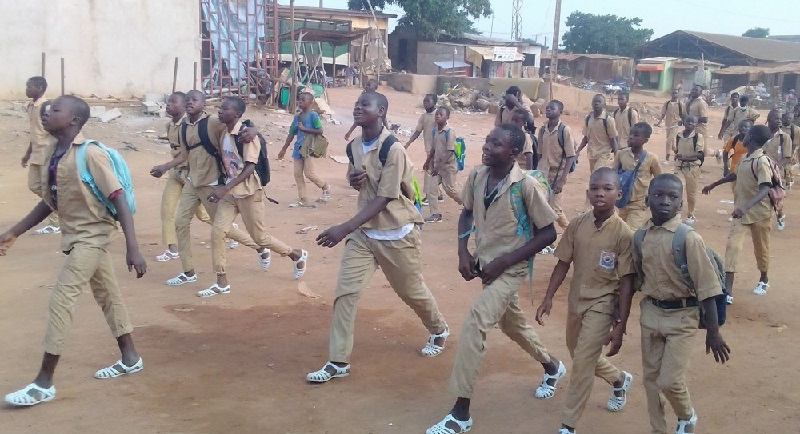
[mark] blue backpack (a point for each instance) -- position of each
(461, 148)
(120, 169)
(626, 180)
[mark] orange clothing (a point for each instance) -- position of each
(736, 150)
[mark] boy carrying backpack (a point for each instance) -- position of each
(635, 167)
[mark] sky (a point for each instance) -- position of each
(710, 16)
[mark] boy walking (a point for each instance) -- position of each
(425, 126)
(384, 233)
(599, 243)
(513, 99)
(558, 154)
(497, 195)
(599, 135)
(528, 159)
(779, 149)
(634, 213)
(625, 118)
(441, 164)
(672, 116)
(698, 107)
(87, 230)
(735, 114)
(690, 150)
(788, 126)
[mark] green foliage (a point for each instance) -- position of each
(430, 17)
(757, 32)
(604, 34)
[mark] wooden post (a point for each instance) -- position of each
(333, 48)
(44, 58)
(175, 76)
(62, 76)
(293, 90)
(194, 80)
(554, 52)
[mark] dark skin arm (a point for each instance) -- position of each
(414, 136)
(543, 238)
(529, 160)
(335, 234)
(161, 169)
(725, 164)
(614, 145)
(307, 130)
(40, 212)
(730, 177)
(221, 191)
(714, 342)
(286, 144)
(466, 262)
(27, 155)
(133, 258)
(725, 124)
(349, 132)
(584, 142)
(562, 177)
(428, 165)
(556, 279)
(623, 311)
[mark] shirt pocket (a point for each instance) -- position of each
(605, 263)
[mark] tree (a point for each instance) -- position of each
(757, 32)
(604, 34)
(429, 18)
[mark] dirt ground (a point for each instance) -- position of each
(237, 362)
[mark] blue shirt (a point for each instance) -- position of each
(309, 120)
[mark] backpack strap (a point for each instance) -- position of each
(679, 251)
(524, 224)
(383, 153)
(680, 110)
(349, 151)
(43, 109)
(638, 239)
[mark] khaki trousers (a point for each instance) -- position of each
(191, 198)
(759, 231)
(304, 168)
(667, 340)
(671, 133)
(447, 178)
(498, 303)
(169, 203)
(690, 176)
(401, 262)
(555, 199)
(253, 215)
(586, 335)
(635, 214)
(92, 267)
(788, 174)
(37, 175)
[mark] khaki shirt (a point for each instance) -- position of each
(504, 115)
(553, 157)
(496, 226)
(752, 171)
(173, 135)
(685, 146)
(527, 148)
(82, 217)
(698, 107)
(793, 130)
(444, 146)
(40, 139)
(778, 147)
(425, 125)
(649, 169)
(623, 126)
(387, 181)
(203, 169)
(601, 256)
(233, 163)
(662, 278)
(738, 114)
(599, 135)
(671, 112)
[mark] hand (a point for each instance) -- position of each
(719, 136)
(493, 270)
(332, 236)
(25, 159)
(218, 193)
(544, 310)
(282, 154)
(157, 171)
(707, 189)
(347, 137)
(558, 188)
(466, 266)
(737, 213)
(407, 144)
(358, 179)
(136, 261)
(426, 166)
(7, 240)
(716, 345)
(301, 127)
(615, 340)
(249, 134)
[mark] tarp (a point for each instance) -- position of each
(238, 36)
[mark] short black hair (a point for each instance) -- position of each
(744, 98)
(520, 111)
(645, 127)
(305, 92)
(38, 81)
(516, 136)
(746, 121)
(734, 93)
(237, 102)
(180, 95)
(431, 96)
(601, 171)
(687, 117)
(558, 104)
(382, 101)
(513, 90)
(600, 95)
(445, 109)
(78, 108)
(622, 93)
(774, 112)
(760, 134)
(195, 91)
(665, 177)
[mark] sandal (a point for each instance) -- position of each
(326, 196)
(462, 426)
(23, 398)
(113, 372)
(545, 390)
(684, 424)
(214, 290)
(761, 288)
(231, 243)
(181, 279)
(49, 229)
(302, 204)
(265, 261)
(565, 431)
(299, 272)
(616, 403)
(431, 349)
(166, 256)
(323, 376)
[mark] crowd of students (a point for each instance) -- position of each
(624, 242)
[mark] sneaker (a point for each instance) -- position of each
(690, 220)
(440, 198)
(425, 201)
(433, 218)
(728, 299)
(549, 250)
(326, 196)
(781, 223)
(232, 244)
(761, 288)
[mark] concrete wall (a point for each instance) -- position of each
(413, 83)
(110, 47)
(422, 84)
(429, 52)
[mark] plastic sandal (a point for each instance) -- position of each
(49, 229)
(22, 397)
(113, 372)
(565, 431)
(323, 376)
(431, 349)
(265, 261)
(442, 428)
(214, 290)
(326, 196)
(181, 279)
(546, 391)
(616, 403)
(299, 272)
(166, 256)
(761, 288)
(684, 424)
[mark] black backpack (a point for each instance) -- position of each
(205, 142)
(262, 166)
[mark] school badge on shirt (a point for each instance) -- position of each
(608, 260)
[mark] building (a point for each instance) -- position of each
(666, 73)
(595, 67)
(776, 79)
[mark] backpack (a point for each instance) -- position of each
(630, 115)
(679, 256)
(317, 143)
(262, 166)
(383, 154)
(776, 190)
(680, 109)
(626, 180)
(525, 226)
(205, 142)
(120, 169)
(460, 151)
(536, 154)
(702, 158)
(605, 123)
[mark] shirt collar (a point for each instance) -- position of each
(670, 225)
(613, 218)
(602, 115)
(757, 153)
(185, 116)
(381, 137)
(78, 140)
(202, 116)
(236, 128)
(547, 128)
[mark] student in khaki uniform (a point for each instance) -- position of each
(241, 193)
(204, 174)
(425, 127)
(599, 135)
(635, 212)
(491, 194)
(512, 100)
(788, 126)
(753, 210)
(698, 108)
(87, 229)
(599, 243)
(779, 149)
(672, 115)
(370, 85)
(624, 117)
(384, 233)
(441, 164)
(176, 108)
(33, 159)
(557, 157)
(690, 148)
(527, 159)
(735, 114)
(728, 126)
(669, 309)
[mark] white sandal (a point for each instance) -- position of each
(761, 288)
(683, 424)
(565, 431)
(181, 279)
(166, 256)
(214, 290)
(113, 372)
(616, 403)
(265, 261)
(431, 349)
(442, 428)
(546, 391)
(22, 397)
(45, 230)
(323, 376)
(299, 272)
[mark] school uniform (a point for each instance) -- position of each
(699, 107)
(444, 158)
(623, 125)
(553, 162)
(635, 212)
(599, 134)
(390, 240)
(527, 148)
(793, 131)
(751, 172)
(689, 172)
(736, 115)
(303, 164)
(39, 141)
(601, 256)
(203, 177)
(498, 302)
(176, 178)
(425, 126)
(668, 331)
(504, 115)
(672, 114)
(87, 229)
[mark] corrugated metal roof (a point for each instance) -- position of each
(793, 67)
(569, 57)
(756, 48)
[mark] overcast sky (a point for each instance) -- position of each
(782, 17)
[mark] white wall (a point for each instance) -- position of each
(110, 47)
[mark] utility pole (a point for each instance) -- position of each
(293, 90)
(554, 51)
(516, 20)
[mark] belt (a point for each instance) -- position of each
(674, 304)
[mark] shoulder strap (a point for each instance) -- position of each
(43, 109)
(383, 153)
(680, 109)
(694, 140)
(679, 251)
(638, 239)
(727, 110)
(630, 117)
(560, 135)
(182, 135)
(587, 119)
(641, 160)
(349, 151)
(541, 132)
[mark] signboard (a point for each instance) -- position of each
(504, 54)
